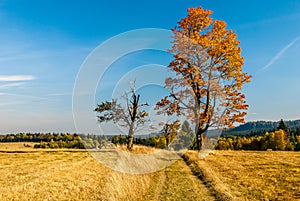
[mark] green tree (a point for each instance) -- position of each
(187, 135)
(297, 144)
(186, 127)
(285, 128)
(282, 126)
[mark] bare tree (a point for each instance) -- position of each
(127, 115)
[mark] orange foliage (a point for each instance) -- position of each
(208, 64)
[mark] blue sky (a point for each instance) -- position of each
(43, 45)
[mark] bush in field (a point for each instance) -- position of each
(160, 142)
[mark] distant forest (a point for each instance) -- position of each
(260, 135)
(282, 135)
(259, 128)
(56, 140)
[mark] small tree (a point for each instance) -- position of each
(209, 75)
(170, 131)
(187, 135)
(185, 127)
(275, 140)
(130, 115)
(284, 127)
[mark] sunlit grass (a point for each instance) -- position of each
(137, 149)
(16, 146)
(62, 174)
(75, 175)
(249, 175)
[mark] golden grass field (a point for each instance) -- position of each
(250, 175)
(31, 174)
(16, 146)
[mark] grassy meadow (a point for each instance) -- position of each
(62, 174)
(37, 174)
(249, 175)
(12, 146)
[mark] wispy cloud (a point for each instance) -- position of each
(16, 78)
(280, 53)
(9, 85)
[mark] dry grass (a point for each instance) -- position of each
(16, 146)
(137, 149)
(64, 175)
(136, 161)
(177, 182)
(29, 174)
(241, 175)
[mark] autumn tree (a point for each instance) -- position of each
(209, 75)
(128, 115)
(170, 131)
(275, 140)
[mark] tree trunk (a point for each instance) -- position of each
(199, 142)
(130, 137)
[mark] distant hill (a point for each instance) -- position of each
(259, 127)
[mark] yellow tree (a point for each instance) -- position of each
(280, 140)
(170, 131)
(275, 140)
(209, 76)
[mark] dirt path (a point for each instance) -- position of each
(177, 182)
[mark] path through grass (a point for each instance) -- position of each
(76, 175)
(177, 182)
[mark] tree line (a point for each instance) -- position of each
(283, 138)
(276, 140)
(56, 140)
(261, 127)
(174, 136)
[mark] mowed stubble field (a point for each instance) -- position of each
(29, 174)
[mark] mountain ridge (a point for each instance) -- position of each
(260, 127)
